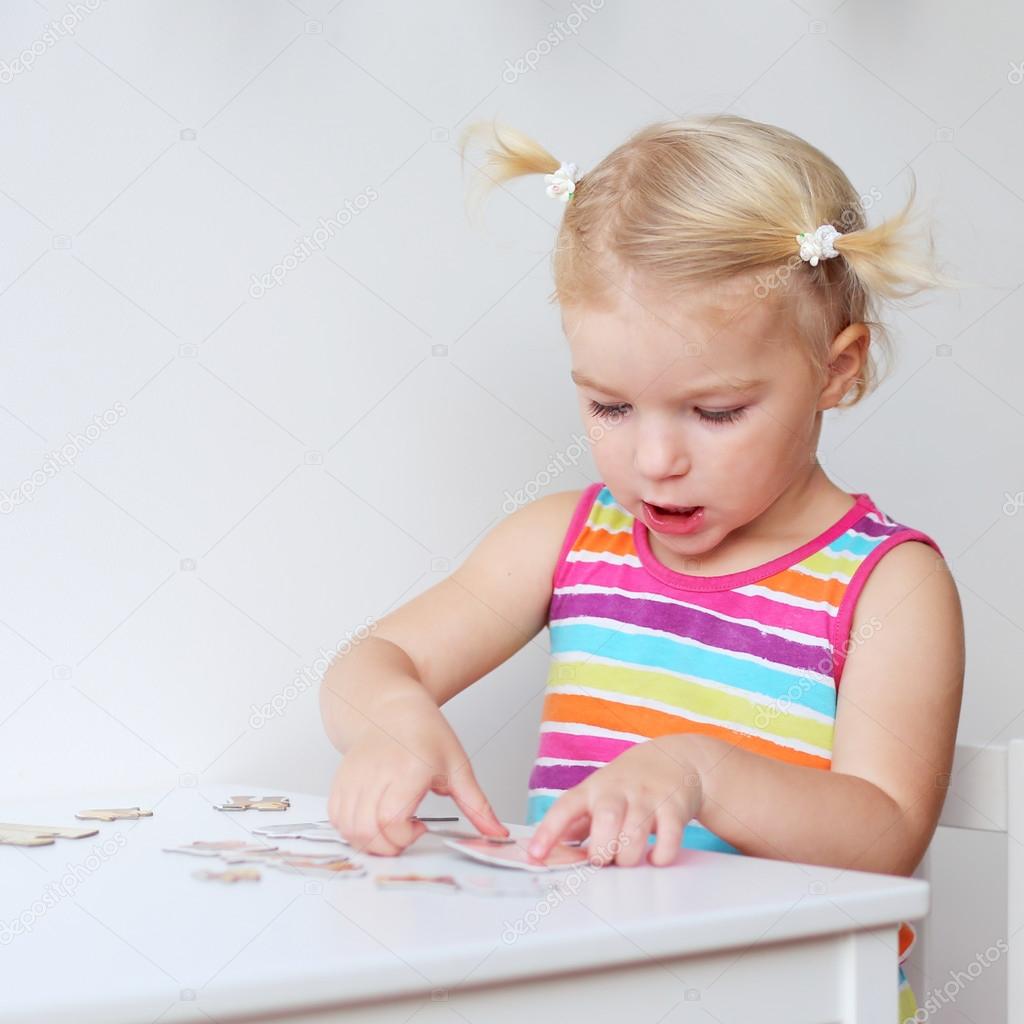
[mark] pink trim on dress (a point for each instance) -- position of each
(686, 581)
(579, 517)
(844, 617)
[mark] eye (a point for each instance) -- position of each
(721, 415)
(603, 411)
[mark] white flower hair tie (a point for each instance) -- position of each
(562, 184)
(817, 245)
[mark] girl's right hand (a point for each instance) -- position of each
(385, 774)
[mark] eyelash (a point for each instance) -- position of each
(720, 415)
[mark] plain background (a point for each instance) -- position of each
(281, 466)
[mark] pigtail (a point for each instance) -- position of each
(895, 259)
(508, 154)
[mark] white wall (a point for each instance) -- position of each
(280, 468)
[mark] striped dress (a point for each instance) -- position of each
(639, 650)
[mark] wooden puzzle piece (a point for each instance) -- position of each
(339, 867)
(231, 875)
(247, 803)
(9, 837)
(113, 814)
(319, 831)
(272, 853)
(417, 881)
(560, 857)
(225, 848)
(39, 835)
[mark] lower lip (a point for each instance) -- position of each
(677, 523)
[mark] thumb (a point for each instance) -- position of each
(466, 792)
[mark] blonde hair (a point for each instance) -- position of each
(699, 200)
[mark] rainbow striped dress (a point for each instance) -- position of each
(639, 650)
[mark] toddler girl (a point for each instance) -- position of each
(742, 651)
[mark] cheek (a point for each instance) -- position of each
(750, 451)
(611, 449)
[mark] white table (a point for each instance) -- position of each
(717, 937)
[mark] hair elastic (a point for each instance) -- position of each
(817, 245)
(562, 184)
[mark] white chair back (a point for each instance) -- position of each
(986, 793)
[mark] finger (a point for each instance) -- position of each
(630, 846)
(394, 817)
(578, 830)
(368, 837)
(669, 827)
(565, 812)
(607, 815)
(466, 792)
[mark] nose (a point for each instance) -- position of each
(660, 450)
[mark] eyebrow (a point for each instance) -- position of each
(738, 384)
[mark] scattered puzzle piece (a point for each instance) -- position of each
(113, 814)
(338, 867)
(8, 837)
(320, 831)
(272, 853)
(39, 835)
(248, 803)
(225, 848)
(417, 881)
(231, 875)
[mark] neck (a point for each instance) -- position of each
(800, 508)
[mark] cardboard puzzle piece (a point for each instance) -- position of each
(250, 803)
(231, 875)
(269, 854)
(315, 830)
(224, 848)
(325, 831)
(317, 867)
(414, 880)
(113, 814)
(39, 835)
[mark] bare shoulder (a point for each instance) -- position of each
(910, 594)
(544, 520)
(902, 684)
(914, 576)
(527, 542)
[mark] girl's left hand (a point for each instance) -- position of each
(653, 786)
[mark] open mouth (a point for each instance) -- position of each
(674, 510)
(677, 519)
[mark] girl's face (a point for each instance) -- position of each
(706, 401)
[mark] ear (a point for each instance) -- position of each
(847, 361)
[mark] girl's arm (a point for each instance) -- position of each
(895, 735)
(451, 635)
